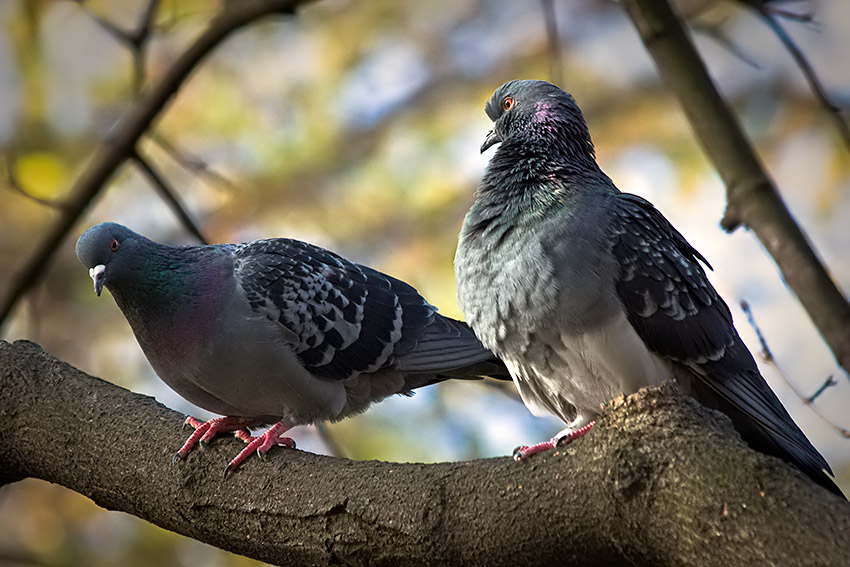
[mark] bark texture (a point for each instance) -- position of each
(659, 481)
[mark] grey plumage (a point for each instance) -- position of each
(276, 330)
(587, 293)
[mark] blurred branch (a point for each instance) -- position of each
(769, 11)
(767, 356)
(169, 196)
(724, 40)
(832, 109)
(135, 40)
(828, 383)
(752, 198)
(189, 161)
(772, 7)
(553, 40)
(329, 440)
(121, 145)
(11, 558)
(660, 481)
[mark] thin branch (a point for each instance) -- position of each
(12, 558)
(828, 383)
(646, 487)
(833, 111)
(724, 40)
(169, 196)
(327, 437)
(766, 353)
(189, 161)
(134, 40)
(552, 39)
(121, 146)
(119, 34)
(752, 198)
(767, 356)
(771, 7)
(146, 23)
(140, 39)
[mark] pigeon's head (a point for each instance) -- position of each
(107, 250)
(536, 112)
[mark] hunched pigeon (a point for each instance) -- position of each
(275, 331)
(587, 293)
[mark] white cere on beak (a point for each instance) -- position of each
(97, 275)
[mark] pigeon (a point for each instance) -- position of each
(275, 331)
(587, 293)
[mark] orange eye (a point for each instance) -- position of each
(113, 245)
(508, 103)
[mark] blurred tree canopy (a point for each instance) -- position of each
(356, 126)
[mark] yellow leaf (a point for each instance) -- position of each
(42, 175)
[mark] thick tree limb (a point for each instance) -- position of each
(121, 145)
(660, 481)
(752, 198)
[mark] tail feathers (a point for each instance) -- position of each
(446, 345)
(450, 349)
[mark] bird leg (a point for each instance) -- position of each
(261, 444)
(566, 437)
(206, 430)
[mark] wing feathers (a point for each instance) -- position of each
(679, 315)
(349, 319)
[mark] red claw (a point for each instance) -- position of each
(261, 444)
(523, 452)
(205, 431)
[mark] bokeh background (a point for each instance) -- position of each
(356, 126)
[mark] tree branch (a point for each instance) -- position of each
(834, 112)
(169, 195)
(660, 481)
(752, 198)
(121, 146)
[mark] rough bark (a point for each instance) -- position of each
(659, 481)
(752, 197)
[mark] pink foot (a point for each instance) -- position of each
(523, 452)
(261, 444)
(206, 430)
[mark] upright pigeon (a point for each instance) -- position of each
(587, 293)
(275, 331)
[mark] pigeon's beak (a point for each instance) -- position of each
(491, 139)
(98, 275)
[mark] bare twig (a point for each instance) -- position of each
(14, 558)
(768, 357)
(327, 437)
(189, 161)
(832, 109)
(752, 198)
(828, 383)
(146, 23)
(135, 40)
(725, 41)
(169, 196)
(771, 7)
(552, 39)
(121, 146)
(766, 353)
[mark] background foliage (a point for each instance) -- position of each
(356, 126)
